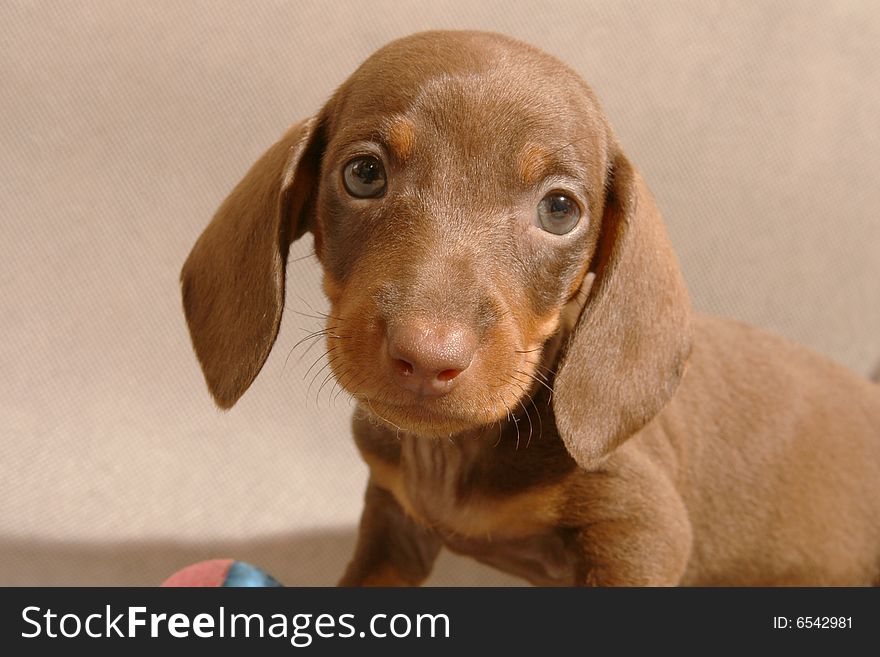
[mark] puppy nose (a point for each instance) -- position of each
(428, 358)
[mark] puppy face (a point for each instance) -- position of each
(455, 218)
(462, 188)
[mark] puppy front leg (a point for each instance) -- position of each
(392, 550)
(634, 529)
(631, 553)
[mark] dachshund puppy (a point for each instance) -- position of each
(532, 386)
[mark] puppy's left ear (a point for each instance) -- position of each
(628, 350)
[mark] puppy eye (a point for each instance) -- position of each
(558, 213)
(364, 177)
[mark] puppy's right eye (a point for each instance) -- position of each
(364, 177)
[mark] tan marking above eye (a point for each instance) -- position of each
(532, 162)
(401, 137)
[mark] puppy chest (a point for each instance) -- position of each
(454, 489)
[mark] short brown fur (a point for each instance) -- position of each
(603, 434)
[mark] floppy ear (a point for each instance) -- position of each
(233, 280)
(628, 350)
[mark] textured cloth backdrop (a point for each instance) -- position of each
(124, 125)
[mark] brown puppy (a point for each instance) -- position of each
(507, 311)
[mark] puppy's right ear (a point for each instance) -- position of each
(233, 280)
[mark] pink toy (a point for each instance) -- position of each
(221, 572)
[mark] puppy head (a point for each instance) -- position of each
(463, 189)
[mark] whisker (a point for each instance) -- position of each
(302, 314)
(290, 353)
(534, 378)
(305, 257)
(540, 420)
(354, 386)
(317, 374)
(318, 311)
(308, 349)
(323, 383)
(540, 375)
(500, 434)
(314, 337)
(532, 401)
(313, 334)
(531, 427)
(339, 383)
(512, 416)
(370, 404)
(528, 415)
(318, 360)
(539, 366)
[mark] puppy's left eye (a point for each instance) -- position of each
(558, 213)
(364, 177)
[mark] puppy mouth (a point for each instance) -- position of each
(430, 417)
(421, 416)
(433, 390)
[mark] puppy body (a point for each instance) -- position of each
(781, 466)
(533, 389)
(721, 487)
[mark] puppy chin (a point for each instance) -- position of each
(421, 422)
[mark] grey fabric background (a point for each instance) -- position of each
(124, 124)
